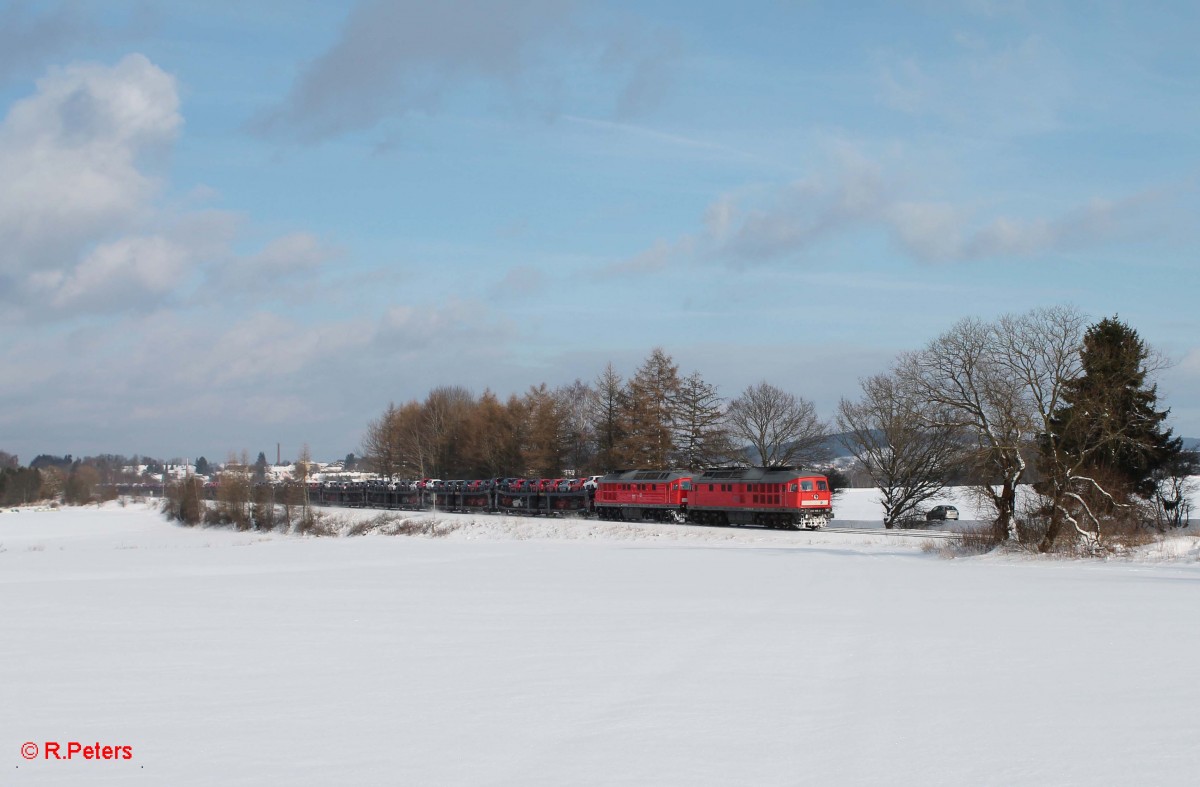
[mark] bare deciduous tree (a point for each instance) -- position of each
(575, 404)
(303, 471)
(1000, 381)
(447, 409)
(1175, 487)
(382, 443)
(906, 450)
(781, 428)
(416, 445)
(958, 373)
(234, 493)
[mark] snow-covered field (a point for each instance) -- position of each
(518, 652)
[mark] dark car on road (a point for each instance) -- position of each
(941, 513)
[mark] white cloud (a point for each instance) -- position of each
(296, 256)
(930, 231)
(455, 325)
(72, 172)
(938, 232)
(264, 348)
(393, 58)
(764, 225)
(124, 271)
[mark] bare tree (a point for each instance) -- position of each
(906, 450)
(414, 443)
(1000, 381)
(234, 493)
(382, 443)
(781, 428)
(263, 508)
(447, 409)
(1175, 486)
(303, 471)
(958, 373)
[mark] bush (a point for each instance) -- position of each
(184, 501)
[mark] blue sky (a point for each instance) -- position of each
(224, 225)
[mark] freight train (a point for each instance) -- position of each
(776, 497)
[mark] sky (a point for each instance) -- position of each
(226, 226)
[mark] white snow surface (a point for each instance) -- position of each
(565, 652)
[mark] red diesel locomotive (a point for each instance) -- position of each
(635, 495)
(764, 496)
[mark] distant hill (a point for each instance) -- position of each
(1191, 443)
(836, 446)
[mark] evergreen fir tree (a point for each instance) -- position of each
(1110, 420)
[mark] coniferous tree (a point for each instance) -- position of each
(701, 435)
(608, 405)
(648, 440)
(546, 443)
(492, 448)
(1110, 418)
(382, 443)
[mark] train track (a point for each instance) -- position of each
(877, 531)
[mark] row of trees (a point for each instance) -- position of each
(74, 482)
(240, 502)
(654, 419)
(1037, 397)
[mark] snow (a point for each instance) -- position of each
(520, 651)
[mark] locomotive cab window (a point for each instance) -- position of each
(794, 488)
(807, 486)
(822, 486)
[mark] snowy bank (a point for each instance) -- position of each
(246, 659)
